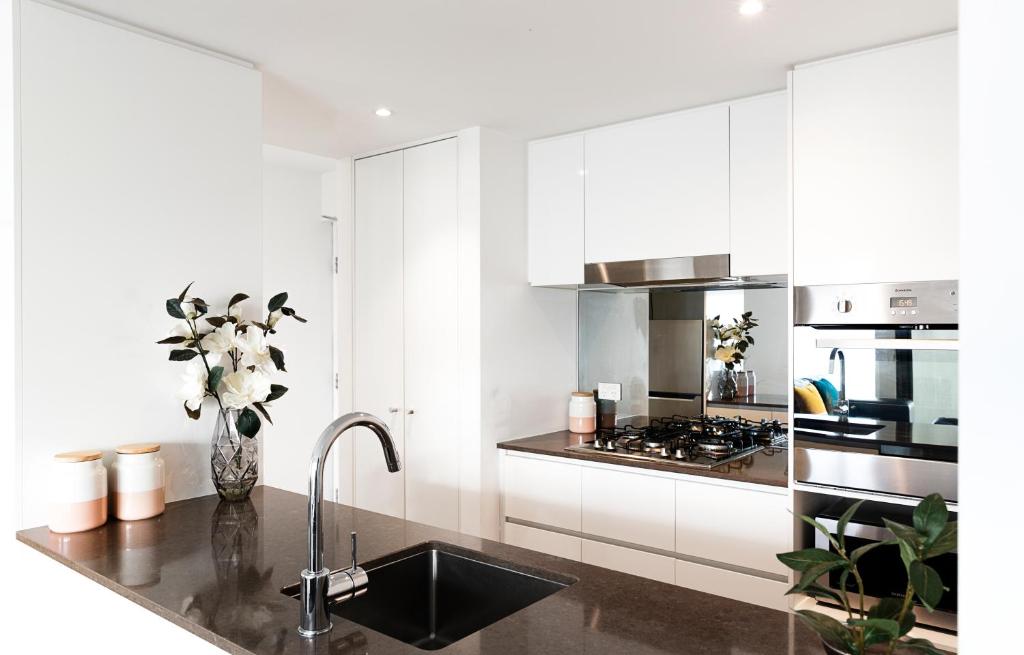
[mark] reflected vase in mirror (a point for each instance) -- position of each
(727, 383)
(234, 458)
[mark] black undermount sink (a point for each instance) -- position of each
(842, 427)
(433, 594)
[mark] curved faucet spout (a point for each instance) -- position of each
(315, 577)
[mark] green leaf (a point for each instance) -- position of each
(262, 410)
(930, 517)
(843, 520)
(867, 548)
(276, 391)
(907, 554)
(248, 423)
(927, 584)
(278, 358)
(832, 632)
(173, 340)
(944, 543)
(193, 414)
(277, 302)
(920, 646)
(181, 296)
(173, 306)
(213, 381)
(890, 608)
(822, 529)
(877, 631)
(182, 355)
(216, 321)
(237, 298)
(201, 306)
(801, 560)
(815, 590)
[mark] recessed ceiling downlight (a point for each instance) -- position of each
(751, 7)
(383, 112)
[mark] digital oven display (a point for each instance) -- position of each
(903, 302)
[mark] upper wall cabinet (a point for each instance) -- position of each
(758, 190)
(659, 187)
(875, 166)
(555, 210)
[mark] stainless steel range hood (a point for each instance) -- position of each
(701, 272)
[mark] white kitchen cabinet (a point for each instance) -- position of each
(875, 157)
(658, 187)
(544, 541)
(737, 526)
(629, 507)
(555, 211)
(543, 491)
(430, 266)
(759, 185)
(732, 584)
(628, 560)
(378, 367)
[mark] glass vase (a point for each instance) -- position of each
(234, 458)
(728, 384)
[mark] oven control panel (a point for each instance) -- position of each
(904, 303)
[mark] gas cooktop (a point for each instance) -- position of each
(688, 441)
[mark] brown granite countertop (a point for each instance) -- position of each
(761, 400)
(216, 569)
(770, 466)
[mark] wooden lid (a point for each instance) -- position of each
(583, 394)
(78, 456)
(137, 448)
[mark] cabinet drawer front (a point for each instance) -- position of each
(736, 526)
(629, 507)
(627, 560)
(739, 586)
(552, 543)
(544, 492)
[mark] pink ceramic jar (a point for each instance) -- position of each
(582, 413)
(138, 481)
(78, 491)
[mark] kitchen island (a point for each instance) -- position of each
(217, 569)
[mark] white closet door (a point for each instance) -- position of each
(431, 346)
(377, 330)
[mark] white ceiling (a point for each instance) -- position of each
(528, 67)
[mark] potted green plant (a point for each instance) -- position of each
(883, 627)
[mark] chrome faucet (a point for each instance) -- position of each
(318, 584)
(842, 408)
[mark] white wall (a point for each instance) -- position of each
(298, 258)
(140, 172)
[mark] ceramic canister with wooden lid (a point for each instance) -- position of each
(78, 491)
(137, 481)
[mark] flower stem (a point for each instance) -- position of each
(202, 353)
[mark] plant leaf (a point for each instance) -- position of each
(216, 321)
(182, 355)
(877, 631)
(278, 358)
(832, 632)
(173, 306)
(277, 302)
(822, 529)
(237, 298)
(811, 575)
(815, 590)
(927, 583)
(262, 410)
(944, 543)
(173, 340)
(213, 381)
(801, 560)
(890, 608)
(193, 414)
(181, 296)
(930, 517)
(276, 391)
(920, 646)
(843, 520)
(248, 423)
(201, 306)
(299, 318)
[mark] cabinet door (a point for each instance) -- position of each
(555, 210)
(544, 541)
(759, 186)
(431, 345)
(659, 187)
(542, 491)
(377, 328)
(629, 507)
(628, 560)
(752, 526)
(875, 184)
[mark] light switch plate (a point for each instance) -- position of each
(609, 391)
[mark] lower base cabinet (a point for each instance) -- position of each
(732, 584)
(544, 541)
(628, 560)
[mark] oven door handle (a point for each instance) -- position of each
(889, 344)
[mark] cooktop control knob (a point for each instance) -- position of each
(843, 306)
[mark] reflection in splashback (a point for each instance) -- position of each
(613, 336)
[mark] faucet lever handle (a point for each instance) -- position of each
(354, 542)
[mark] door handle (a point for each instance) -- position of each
(411, 412)
(392, 410)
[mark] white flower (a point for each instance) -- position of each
(193, 386)
(244, 387)
(189, 309)
(180, 330)
(274, 317)
(255, 350)
(221, 340)
(725, 353)
(235, 310)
